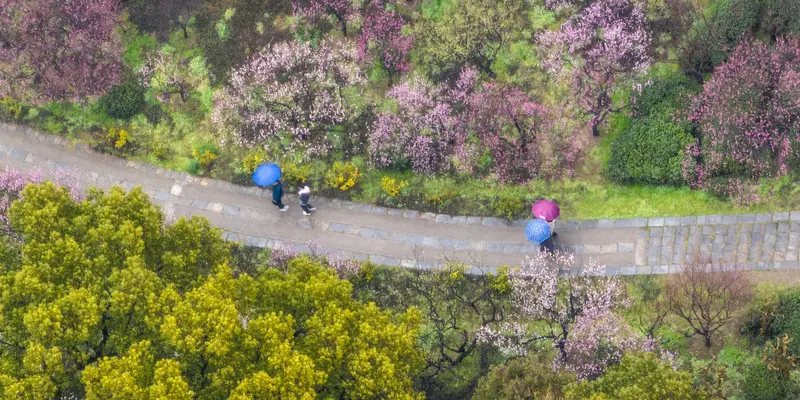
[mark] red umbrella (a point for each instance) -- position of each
(546, 209)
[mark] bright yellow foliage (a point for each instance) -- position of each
(342, 176)
(391, 186)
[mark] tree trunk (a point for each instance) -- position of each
(707, 339)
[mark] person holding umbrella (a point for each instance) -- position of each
(538, 231)
(548, 211)
(269, 175)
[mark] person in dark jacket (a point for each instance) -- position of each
(277, 196)
(305, 195)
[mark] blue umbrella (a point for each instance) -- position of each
(537, 231)
(266, 174)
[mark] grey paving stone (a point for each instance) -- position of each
(430, 241)
(378, 210)
(473, 220)
(655, 221)
(459, 220)
(443, 219)
(732, 219)
(672, 221)
(495, 247)
(747, 218)
(162, 196)
(462, 245)
(644, 270)
(660, 269)
(428, 216)
(512, 248)
(529, 249)
(446, 243)
(492, 221)
(794, 216)
(625, 247)
(336, 227)
(655, 241)
(230, 210)
(714, 219)
(520, 223)
(588, 224)
(623, 223)
(763, 218)
(410, 214)
(365, 232)
(795, 227)
(701, 220)
(395, 212)
(686, 221)
(414, 239)
(605, 223)
(780, 216)
(656, 232)
(19, 154)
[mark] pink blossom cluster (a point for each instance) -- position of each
(281, 255)
(314, 10)
(748, 114)
(289, 91)
(605, 42)
(382, 38)
(13, 181)
(59, 49)
(442, 126)
(576, 307)
(429, 128)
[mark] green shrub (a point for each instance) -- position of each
(123, 101)
(638, 377)
(781, 17)
(717, 36)
(760, 383)
(776, 315)
(649, 150)
(522, 379)
(671, 91)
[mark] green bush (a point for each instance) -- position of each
(522, 379)
(638, 377)
(649, 150)
(781, 17)
(760, 383)
(776, 315)
(672, 91)
(123, 101)
(717, 36)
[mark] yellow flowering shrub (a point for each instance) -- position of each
(294, 174)
(253, 160)
(10, 109)
(117, 137)
(391, 186)
(342, 176)
(205, 155)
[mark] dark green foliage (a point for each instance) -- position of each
(780, 17)
(762, 384)
(716, 35)
(671, 91)
(649, 150)
(775, 316)
(522, 379)
(123, 101)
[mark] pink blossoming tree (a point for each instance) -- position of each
(605, 43)
(748, 114)
(58, 49)
(313, 10)
(574, 310)
(429, 129)
(289, 91)
(382, 39)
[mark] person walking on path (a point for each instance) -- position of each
(277, 196)
(305, 195)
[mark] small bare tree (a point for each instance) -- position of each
(706, 295)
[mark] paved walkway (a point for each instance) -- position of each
(410, 238)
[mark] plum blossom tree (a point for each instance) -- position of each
(575, 312)
(605, 43)
(382, 39)
(289, 91)
(524, 138)
(59, 49)
(341, 10)
(429, 128)
(748, 114)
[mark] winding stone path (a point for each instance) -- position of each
(410, 238)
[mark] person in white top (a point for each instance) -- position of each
(305, 196)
